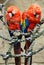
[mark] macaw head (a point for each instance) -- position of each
(34, 13)
(13, 14)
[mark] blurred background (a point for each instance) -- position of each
(22, 5)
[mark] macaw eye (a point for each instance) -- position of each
(10, 14)
(13, 12)
(36, 15)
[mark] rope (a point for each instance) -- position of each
(29, 38)
(40, 49)
(22, 55)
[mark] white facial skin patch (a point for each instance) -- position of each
(10, 14)
(34, 13)
(37, 16)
